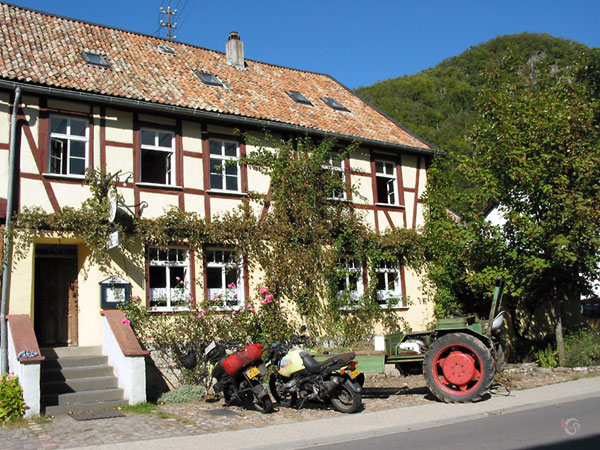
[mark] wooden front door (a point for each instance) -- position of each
(56, 297)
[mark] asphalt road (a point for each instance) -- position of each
(572, 425)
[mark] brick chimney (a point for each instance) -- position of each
(235, 51)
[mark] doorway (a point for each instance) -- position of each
(56, 295)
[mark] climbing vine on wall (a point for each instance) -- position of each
(295, 235)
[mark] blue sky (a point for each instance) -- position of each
(356, 42)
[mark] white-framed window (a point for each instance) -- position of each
(69, 143)
(224, 278)
(387, 188)
(350, 279)
(169, 278)
(334, 163)
(157, 157)
(389, 283)
(224, 165)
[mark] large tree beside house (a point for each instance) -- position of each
(537, 155)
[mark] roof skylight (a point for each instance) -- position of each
(334, 104)
(166, 50)
(298, 97)
(95, 59)
(209, 78)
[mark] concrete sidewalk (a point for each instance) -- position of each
(344, 427)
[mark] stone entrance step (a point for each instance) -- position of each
(77, 379)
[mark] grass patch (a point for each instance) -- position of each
(586, 375)
(140, 408)
(17, 422)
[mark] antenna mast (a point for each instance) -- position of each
(169, 25)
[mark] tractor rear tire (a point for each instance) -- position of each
(458, 368)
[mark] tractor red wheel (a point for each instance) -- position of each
(458, 368)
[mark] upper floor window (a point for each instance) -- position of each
(224, 166)
(157, 157)
(336, 165)
(69, 141)
(386, 182)
(169, 278)
(389, 283)
(224, 278)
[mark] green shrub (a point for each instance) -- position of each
(583, 348)
(547, 357)
(12, 405)
(184, 394)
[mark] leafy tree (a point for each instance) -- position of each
(536, 154)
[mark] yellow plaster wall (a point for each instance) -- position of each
(4, 163)
(195, 203)
(422, 177)
(157, 203)
(4, 118)
(409, 171)
(33, 193)
(223, 205)
(409, 205)
(119, 158)
(364, 187)
(258, 182)
(21, 285)
(420, 217)
(68, 106)
(192, 137)
(96, 143)
(71, 194)
(31, 111)
(4, 139)
(193, 173)
(420, 308)
(119, 126)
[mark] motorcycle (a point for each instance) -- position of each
(239, 375)
(298, 377)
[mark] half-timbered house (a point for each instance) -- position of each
(88, 96)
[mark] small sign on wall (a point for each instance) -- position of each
(114, 290)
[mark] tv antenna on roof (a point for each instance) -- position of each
(169, 25)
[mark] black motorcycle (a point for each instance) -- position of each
(239, 375)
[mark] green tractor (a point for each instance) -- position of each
(458, 358)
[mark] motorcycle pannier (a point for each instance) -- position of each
(233, 363)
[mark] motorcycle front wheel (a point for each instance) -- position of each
(286, 399)
(345, 400)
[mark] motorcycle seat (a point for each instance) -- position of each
(314, 366)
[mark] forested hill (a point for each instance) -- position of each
(438, 103)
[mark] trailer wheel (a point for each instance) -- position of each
(458, 368)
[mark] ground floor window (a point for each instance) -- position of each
(224, 278)
(350, 281)
(389, 283)
(169, 278)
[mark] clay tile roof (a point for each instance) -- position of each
(46, 50)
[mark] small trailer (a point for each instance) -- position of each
(458, 358)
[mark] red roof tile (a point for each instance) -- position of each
(42, 49)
